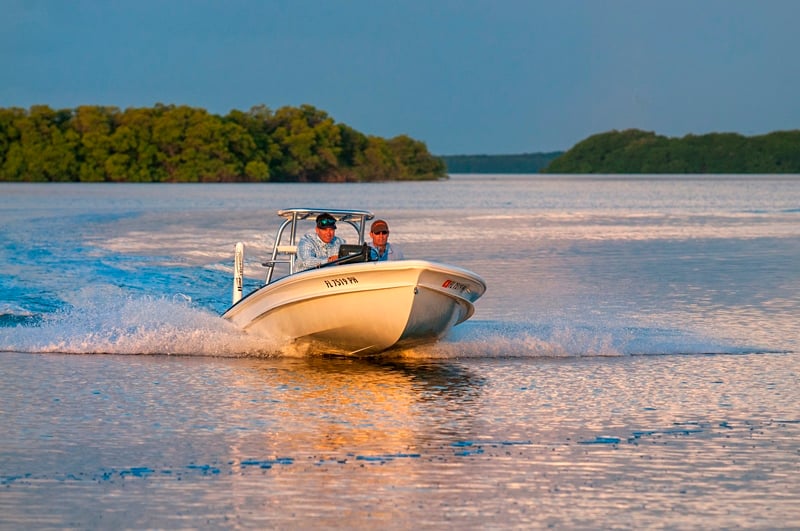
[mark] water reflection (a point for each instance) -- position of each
(332, 409)
(177, 442)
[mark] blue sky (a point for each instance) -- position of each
(465, 77)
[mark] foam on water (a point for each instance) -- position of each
(497, 339)
(106, 319)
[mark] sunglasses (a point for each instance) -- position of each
(381, 232)
(327, 224)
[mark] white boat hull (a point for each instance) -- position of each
(361, 309)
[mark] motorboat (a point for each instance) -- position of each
(351, 306)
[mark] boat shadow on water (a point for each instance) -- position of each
(439, 378)
(329, 407)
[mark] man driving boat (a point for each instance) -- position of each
(319, 247)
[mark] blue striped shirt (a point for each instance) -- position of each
(313, 252)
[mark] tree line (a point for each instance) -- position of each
(169, 143)
(636, 151)
(521, 163)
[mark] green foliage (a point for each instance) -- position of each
(413, 160)
(169, 143)
(635, 151)
(522, 163)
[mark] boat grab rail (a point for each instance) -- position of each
(289, 250)
(281, 249)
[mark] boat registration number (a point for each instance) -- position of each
(342, 281)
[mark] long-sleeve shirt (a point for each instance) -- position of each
(313, 252)
(390, 253)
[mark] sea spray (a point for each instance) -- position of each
(105, 319)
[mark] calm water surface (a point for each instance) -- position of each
(633, 364)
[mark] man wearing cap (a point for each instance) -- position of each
(380, 249)
(320, 247)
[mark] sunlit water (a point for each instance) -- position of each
(634, 362)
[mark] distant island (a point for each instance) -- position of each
(634, 151)
(169, 143)
(522, 163)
